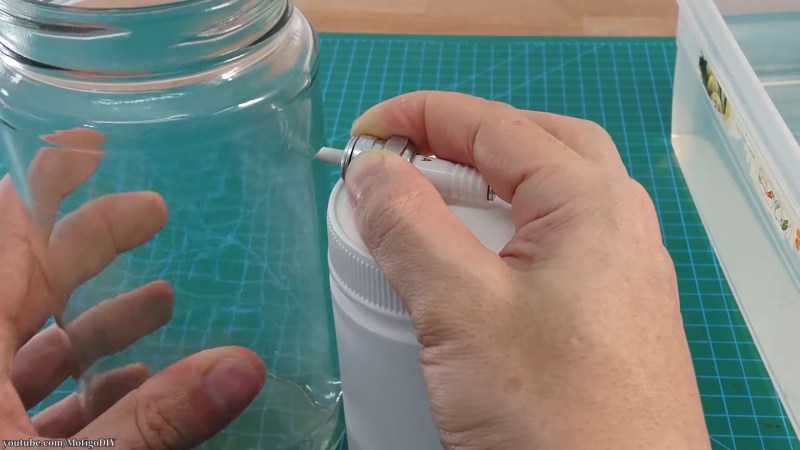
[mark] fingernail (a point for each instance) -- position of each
(232, 384)
(356, 125)
(361, 173)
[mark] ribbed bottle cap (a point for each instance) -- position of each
(357, 273)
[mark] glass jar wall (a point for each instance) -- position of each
(213, 106)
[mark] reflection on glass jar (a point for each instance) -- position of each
(190, 126)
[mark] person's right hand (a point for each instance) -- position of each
(570, 338)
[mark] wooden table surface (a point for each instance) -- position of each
(495, 17)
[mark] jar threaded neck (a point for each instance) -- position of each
(175, 35)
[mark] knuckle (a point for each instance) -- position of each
(439, 317)
(590, 139)
(638, 194)
(107, 229)
(498, 118)
(626, 206)
(606, 187)
(664, 260)
(384, 222)
(635, 188)
(155, 425)
(436, 325)
(608, 199)
(498, 107)
(576, 127)
(591, 135)
(431, 332)
(16, 240)
(593, 129)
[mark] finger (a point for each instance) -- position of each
(41, 365)
(186, 403)
(498, 140)
(70, 415)
(54, 354)
(16, 262)
(15, 419)
(115, 324)
(85, 242)
(82, 138)
(88, 240)
(16, 265)
(422, 247)
(585, 137)
(55, 173)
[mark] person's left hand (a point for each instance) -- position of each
(42, 261)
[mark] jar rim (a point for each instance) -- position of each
(185, 36)
(109, 5)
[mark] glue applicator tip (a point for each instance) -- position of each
(329, 155)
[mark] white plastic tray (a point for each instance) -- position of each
(735, 141)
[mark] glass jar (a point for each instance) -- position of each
(215, 106)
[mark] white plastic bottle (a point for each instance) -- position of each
(385, 398)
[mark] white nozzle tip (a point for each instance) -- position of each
(329, 155)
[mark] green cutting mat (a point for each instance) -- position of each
(624, 85)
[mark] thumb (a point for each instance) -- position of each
(185, 404)
(424, 250)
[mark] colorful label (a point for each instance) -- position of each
(717, 96)
(781, 214)
(771, 198)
